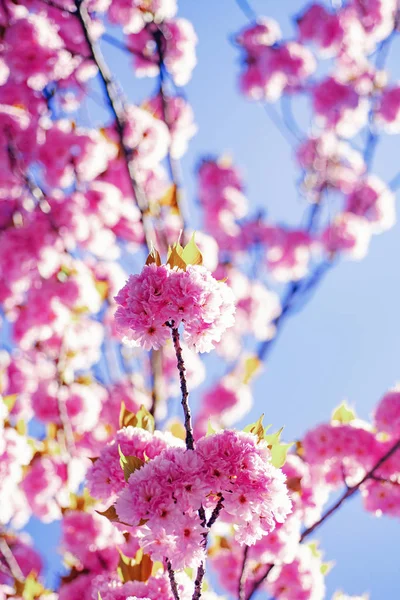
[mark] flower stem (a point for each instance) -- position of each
(172, 580)
(184, 389)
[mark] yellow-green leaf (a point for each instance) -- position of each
(210, 429)
(129, 464)
(257, 428)
(10, 401)
(191, 253)
(279, 454)
(343, 414)
(153, 257)
(110, 514)
(278, 450)
(145, 419)
(326, 567)
(170, 198)
(252, 365)
(126, 418)
(174, 260)
(135, 569)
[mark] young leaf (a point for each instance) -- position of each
(145, 419)
(170, 198)
(10, 401)
(174, 260)
(129, 464)
(153, 257)
(191, 253)
(252, 365)
(210, 429)
(135, 569)
(111, 515)
(279, 454)
(256, 428)
(126, 418)
(343, 414)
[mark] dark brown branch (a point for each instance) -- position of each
(172, 580)
(173, 165)
(350, 491)
(215, 513)
(117, 108)
(184, 389)
(9, 558)
(198, 582)
(243, 576)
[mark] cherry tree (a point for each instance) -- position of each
(110, 300)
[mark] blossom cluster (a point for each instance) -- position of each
(168, 492)
(160, 298)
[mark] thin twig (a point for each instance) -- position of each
(215, 513)
(173, 164)
(10, 560)
(172, 580)
(247, 9)
(117, 108)
(198, 581)
(184, 389)
(350, 491)
(243, 576)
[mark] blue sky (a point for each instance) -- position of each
(345, 344)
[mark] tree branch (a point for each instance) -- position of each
(117, 108)
(350, 491)
(172, 580)
(184, 389)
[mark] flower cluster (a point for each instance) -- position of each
(161, 297)
(167, 493)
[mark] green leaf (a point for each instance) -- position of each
(343, 414)
(175, 260)
(111, 515)
(278, 450)
(210, 429)
(279, 454)
(257, 428)
(135, 569)
(251, 366)
(10, 401)
(326, 567)
(153, 257)
(129, 464)
(145, 419)
(191, 253)
(314, 549)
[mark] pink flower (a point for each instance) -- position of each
(135, 15)
(348, 233)
(180, 120)
(160, 295)
(272, 69)
(387, 413)
(178, 48)
(302, 579)
(322, 27)
(371, 198)
(92, 540)
(337, 105)
(388, 111)
(105, 478)
(168, 491)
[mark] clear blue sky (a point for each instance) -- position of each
(346, 342)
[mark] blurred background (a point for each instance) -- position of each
(345, 343)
